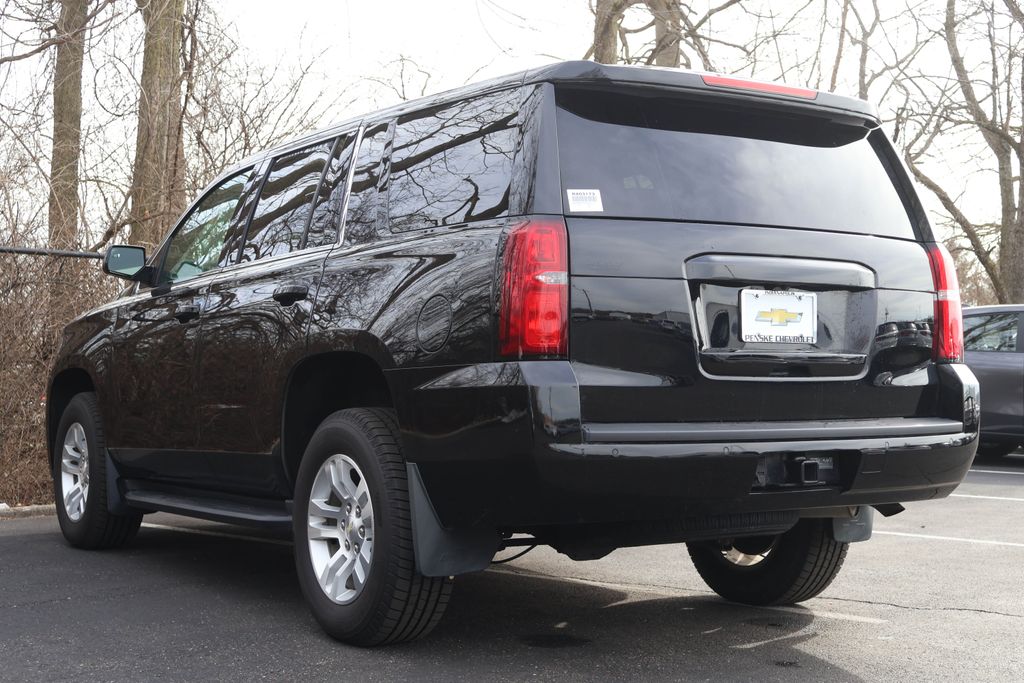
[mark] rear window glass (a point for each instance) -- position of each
(453, 165)
(679, 159)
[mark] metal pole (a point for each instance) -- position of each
(31, 251)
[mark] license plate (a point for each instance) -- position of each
(769, 316)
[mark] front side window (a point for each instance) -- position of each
(996, 332)
(453, 165)
(286, 202)
(201, 243)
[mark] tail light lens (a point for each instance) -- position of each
(534, 315)
(761, 86)
(948, 333)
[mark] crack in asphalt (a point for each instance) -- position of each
(917, 608)
(675, 590)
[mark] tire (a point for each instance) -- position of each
(996, 449)
(85, 519)
(392, 602)
(797, 566)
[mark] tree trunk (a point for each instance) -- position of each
(667, 30)
(606, 26)
(158, 180)
(67, 125)
(63, 275)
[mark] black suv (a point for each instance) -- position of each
(582, 306)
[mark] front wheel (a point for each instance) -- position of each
(780, 570)
(353, 534)
(80, 480)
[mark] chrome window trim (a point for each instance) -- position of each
(348, 184)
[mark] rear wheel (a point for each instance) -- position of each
(353, 534)
(80, 480)
(780, 570)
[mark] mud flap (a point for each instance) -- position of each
(115, 502)
(856, 528)
(440, 551)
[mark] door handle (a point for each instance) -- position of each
(286, 295)
(184, 314)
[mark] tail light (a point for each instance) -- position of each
(948, 333)
(759, 86)
(534, 314)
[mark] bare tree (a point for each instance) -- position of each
(608, 16)
(667, 31)
(67, 125)
(158, 179)
(55, 34)
(682, 35)
(976, 112)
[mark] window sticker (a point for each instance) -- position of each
(585, 200)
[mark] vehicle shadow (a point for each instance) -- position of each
(504, 624)
(598, 632)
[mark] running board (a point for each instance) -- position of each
(233, 510)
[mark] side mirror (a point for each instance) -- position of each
(126, 262)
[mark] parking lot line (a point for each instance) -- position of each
(971, 495)
(1019, 474)
(930, 537)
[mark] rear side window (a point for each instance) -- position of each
(364, 205)
(996, 332)
(453, 165)
(286, 202)
(672, 158)
(326, 219)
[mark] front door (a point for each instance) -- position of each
(155, 344)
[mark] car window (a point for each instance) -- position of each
(996, 332)
(326, 220)
(363, 212)
(201, 243)
(453, 165)
(669, 157)
(285, 204)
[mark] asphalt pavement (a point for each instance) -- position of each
(937, 594)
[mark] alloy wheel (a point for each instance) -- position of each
(74, 472)
(340, 529)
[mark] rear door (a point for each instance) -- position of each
(257, 314)
(739, 262)
(990, 342)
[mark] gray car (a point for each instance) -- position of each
(993, 353)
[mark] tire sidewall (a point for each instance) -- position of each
(79, 410)
(340, 436)
(765, 582)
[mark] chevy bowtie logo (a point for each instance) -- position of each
(779, 317)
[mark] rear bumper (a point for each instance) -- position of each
(504, 446)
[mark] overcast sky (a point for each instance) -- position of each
(459, 41)
(455, 40)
